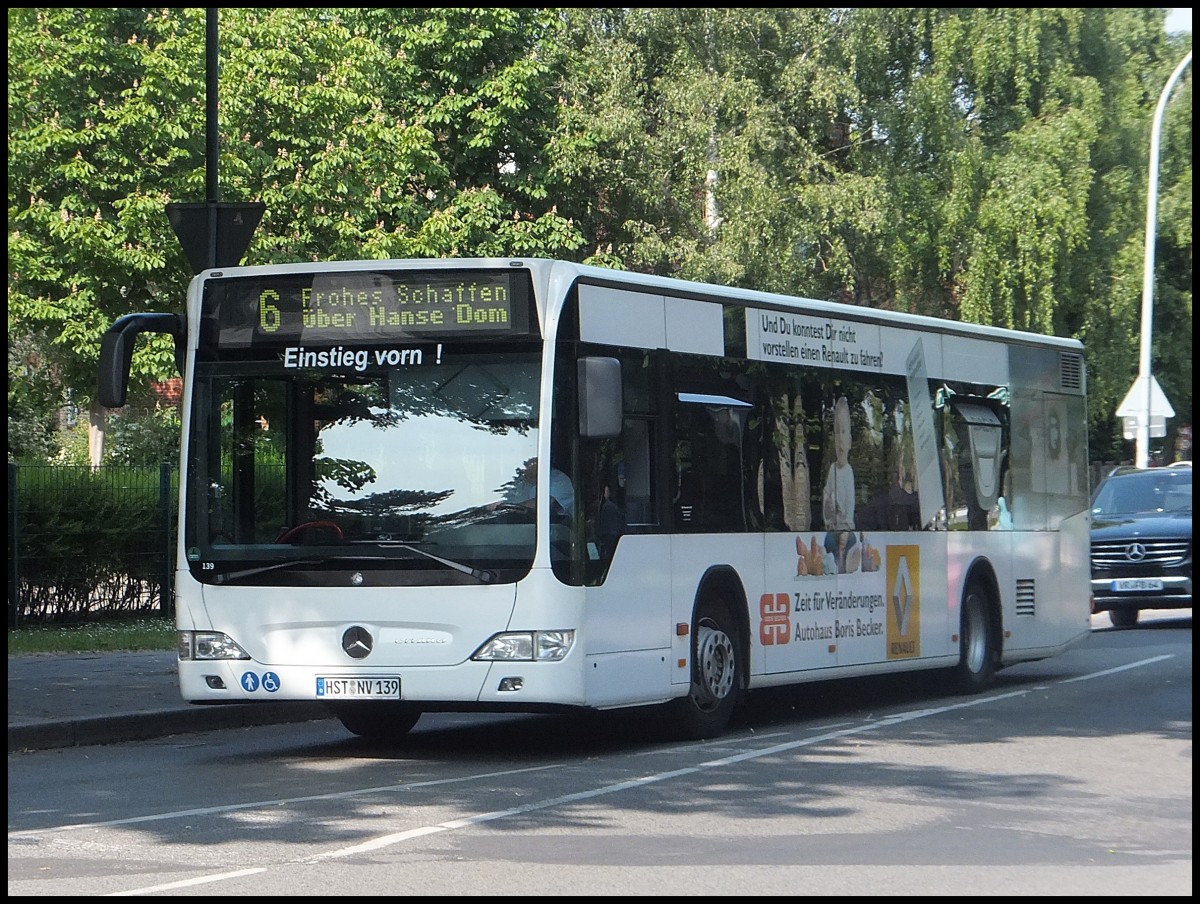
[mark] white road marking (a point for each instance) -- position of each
(388, 840)
(185, 883)
(255, 804)
(1119, 668)
(385, 841)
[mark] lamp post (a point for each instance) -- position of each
(1145, 381)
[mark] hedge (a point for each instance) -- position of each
(86, 543)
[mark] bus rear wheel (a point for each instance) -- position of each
(978, 641)
(377, 721)
(716, 675)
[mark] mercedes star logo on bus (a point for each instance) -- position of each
(356, 642)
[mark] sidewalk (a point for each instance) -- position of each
(69, 699)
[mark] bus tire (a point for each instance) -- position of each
(377, 721)
(716, 674)
(978, 641)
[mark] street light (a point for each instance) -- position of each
(1145, 381)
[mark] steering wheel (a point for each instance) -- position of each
(289, 533)
(512, 513)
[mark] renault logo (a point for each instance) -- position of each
(1136, 552)
(356, 642)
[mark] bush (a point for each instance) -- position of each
(30, 436)
(143, 438)
(91, 541)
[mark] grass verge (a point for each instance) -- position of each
(97, 637)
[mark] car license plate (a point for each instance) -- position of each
(358, 687)
(1137, 584)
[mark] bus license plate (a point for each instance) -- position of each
(1137, 584)
(364, 687)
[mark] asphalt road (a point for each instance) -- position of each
(1072, 776)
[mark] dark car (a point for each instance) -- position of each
(1142, 542)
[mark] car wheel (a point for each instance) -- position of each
(977, 642)
(377, 721)
(1123, 618)
(716, 675)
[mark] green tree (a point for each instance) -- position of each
(978, 164)
(987, 164)
(81, 249)
(703, 143)
(366, 133)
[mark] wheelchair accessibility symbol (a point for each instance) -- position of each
(269, 682)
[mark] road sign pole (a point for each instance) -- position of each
(213, 234)
(1143, 430)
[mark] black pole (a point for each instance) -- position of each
(14, 564)
(165, 601)
(213, 234)
(212, 139)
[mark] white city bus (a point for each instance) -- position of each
(735, 490)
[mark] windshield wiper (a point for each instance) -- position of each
(291, 563)
(250, 572)
(481, 575)
(484, 576)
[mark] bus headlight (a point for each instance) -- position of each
(527, 646)
(209, 645)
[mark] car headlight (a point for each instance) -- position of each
(527, 646)
(209, 645)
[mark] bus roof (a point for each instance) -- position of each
(563, 273)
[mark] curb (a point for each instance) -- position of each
(157, 724)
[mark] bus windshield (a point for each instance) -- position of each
(407, 470)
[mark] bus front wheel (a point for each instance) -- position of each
(978, 641)
(377, 721)
(716, 675)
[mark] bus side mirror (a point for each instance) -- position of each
(116, 351)
(600, 405)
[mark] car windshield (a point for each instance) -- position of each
(1148, 492)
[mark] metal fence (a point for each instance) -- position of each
(87, 543)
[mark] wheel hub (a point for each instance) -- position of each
(714, 651)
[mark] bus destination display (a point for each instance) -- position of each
(361, 307)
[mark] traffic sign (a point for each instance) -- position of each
(1133, 408)
(234, 224)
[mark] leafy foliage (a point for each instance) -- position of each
(986, 164)
(146, 438)
(91, 541)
